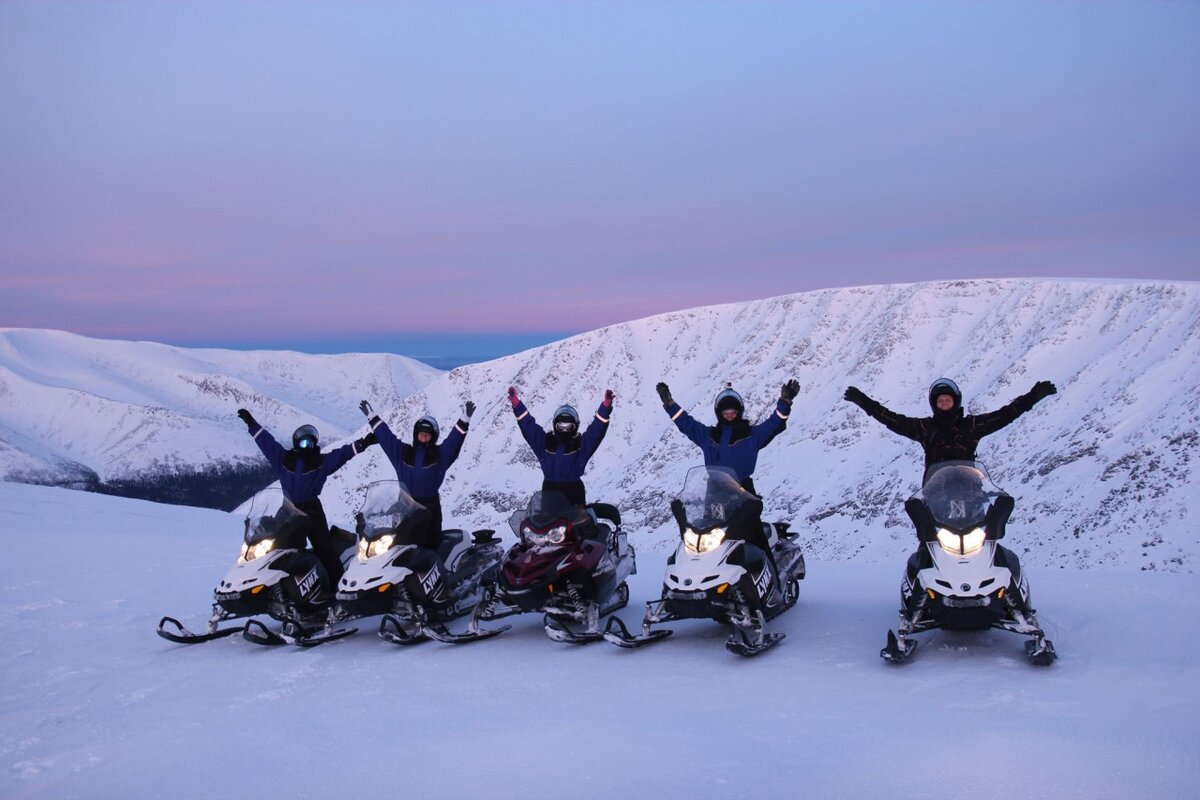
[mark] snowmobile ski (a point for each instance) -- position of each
(391, 629)
(258, 633)
(616, 633)
(558, 631)
(184, 636)
(444, 634)
(742, 644)
(897, 650)
(1040, 651)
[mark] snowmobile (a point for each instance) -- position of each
(961, 578)
(719, 571)
(416, 589)
(274, 575)
(569, 563)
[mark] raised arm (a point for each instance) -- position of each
(909, 427)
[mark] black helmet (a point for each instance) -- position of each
(728, 398)
(426, 425)
(944, 386)
(305, 438)
(566, 420)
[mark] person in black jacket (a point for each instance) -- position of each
(302, 472)
(949, 434)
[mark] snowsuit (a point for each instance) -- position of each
(948, 435)
(735, 445)
(302, 476)
(563, 459)
(422, 468)
(732, 444)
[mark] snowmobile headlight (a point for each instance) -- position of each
(961, 544)
(256, 550)
(368, 549)
(703, 542)
(555, 536)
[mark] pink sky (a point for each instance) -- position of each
(240, 173)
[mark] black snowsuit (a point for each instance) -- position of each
(949, 435)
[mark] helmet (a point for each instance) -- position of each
(305, 438)
(426, 425)
(728, 398)
(566, 420)
(944, 386)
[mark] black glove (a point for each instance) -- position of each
(789, 391)
(1043, 389)
(664, 393)
(468, 408)
(854, 396)
(366, 441)
(365, 407)
(247, 418)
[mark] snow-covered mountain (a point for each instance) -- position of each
(1104, 472)
(96, 413)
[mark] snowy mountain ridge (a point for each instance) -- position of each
(1103, 472)
(79, 411)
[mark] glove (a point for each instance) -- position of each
(512, 396)
(789, 391)
(468, 409)
(365, 407)
(1043, 389)
(854, 396)
(609, 397)
(664, 393)
(365, 442)
(247, 418)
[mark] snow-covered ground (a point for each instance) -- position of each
(94, 705)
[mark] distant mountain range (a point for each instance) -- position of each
(1104, 472)
(158, 422)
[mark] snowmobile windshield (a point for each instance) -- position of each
(712, 498)
(272, 516)
(958, 494)
(545, 509)
(389, 510)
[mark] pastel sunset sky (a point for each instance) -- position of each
(348, 174)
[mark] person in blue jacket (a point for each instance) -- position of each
(562, 451)
(422, 465)
(732, 442)
(302, 472)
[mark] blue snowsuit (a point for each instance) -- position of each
(302, 477)
(732, 444)
(422, 468)
(562, 459)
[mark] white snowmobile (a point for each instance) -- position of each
(273, 575)
(961, 578)
(720, 570)
(416, 589)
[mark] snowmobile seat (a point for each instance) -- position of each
(452, 547)
(342, 534)
(484, 536)
(997, 516)
(607, 512)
